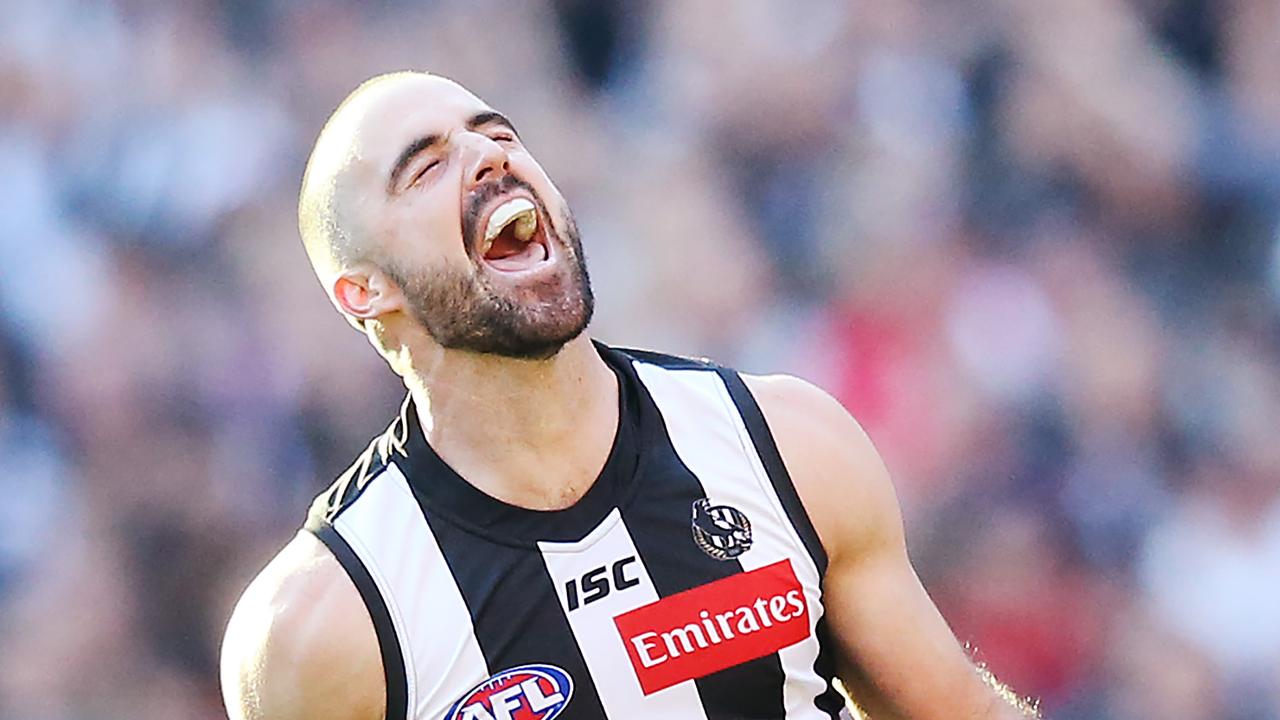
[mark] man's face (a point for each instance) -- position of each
(467, 224)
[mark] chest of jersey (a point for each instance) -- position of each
(693, 595)
(663, 610)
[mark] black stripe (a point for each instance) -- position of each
(515, 612)
(392, 659)
(758, 429)
(830, 700)
(659, 520)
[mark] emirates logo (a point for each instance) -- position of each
(722, 531)
(715, 626)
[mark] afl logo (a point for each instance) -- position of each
(528, 692)
(722, 531)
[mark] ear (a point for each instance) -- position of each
(366, 293)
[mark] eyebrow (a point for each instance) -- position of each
(491, 117)
(426, 142)
(409, 153)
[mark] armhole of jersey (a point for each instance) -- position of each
(767, 449)
(388, 644)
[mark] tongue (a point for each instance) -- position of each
(505, 245)
(526, 256)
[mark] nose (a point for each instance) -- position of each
(486, 160)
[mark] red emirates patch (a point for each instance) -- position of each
(715, 626)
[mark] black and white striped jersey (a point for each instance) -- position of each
(686, 582)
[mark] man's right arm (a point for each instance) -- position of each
(300, 644)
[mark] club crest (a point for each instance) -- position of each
(722, 531)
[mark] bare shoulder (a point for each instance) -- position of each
(300, 643)
(837, 472)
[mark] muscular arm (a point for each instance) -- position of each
(300, 644)
(896, 654)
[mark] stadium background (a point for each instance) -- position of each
(1032, 246)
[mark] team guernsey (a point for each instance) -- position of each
(685, 583)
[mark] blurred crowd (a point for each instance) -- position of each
(1032, 246)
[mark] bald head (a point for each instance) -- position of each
(341, 172)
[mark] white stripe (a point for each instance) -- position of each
(710, 437)
(594, 629)
(386, 529)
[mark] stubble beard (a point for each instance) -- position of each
(462, 310)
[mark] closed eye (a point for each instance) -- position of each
(418, 175)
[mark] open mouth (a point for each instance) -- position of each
(515, 237)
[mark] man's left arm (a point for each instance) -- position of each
(896, 654)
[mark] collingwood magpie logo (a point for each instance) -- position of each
(723, 532)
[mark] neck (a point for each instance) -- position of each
(533, 433)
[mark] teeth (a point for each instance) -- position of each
(526, 223)
(519, 210)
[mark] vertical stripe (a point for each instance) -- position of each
(767, 457)
(515, 610)
(599, 578)
(393, 671)
(752, 426)
(386, 530)
(660, 522)
(709, 436)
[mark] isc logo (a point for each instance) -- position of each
(597, 583)
(528, 692)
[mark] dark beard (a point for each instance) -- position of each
(463, 311)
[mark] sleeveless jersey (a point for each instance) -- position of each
(685, 583)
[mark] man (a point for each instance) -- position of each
(552, 527)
